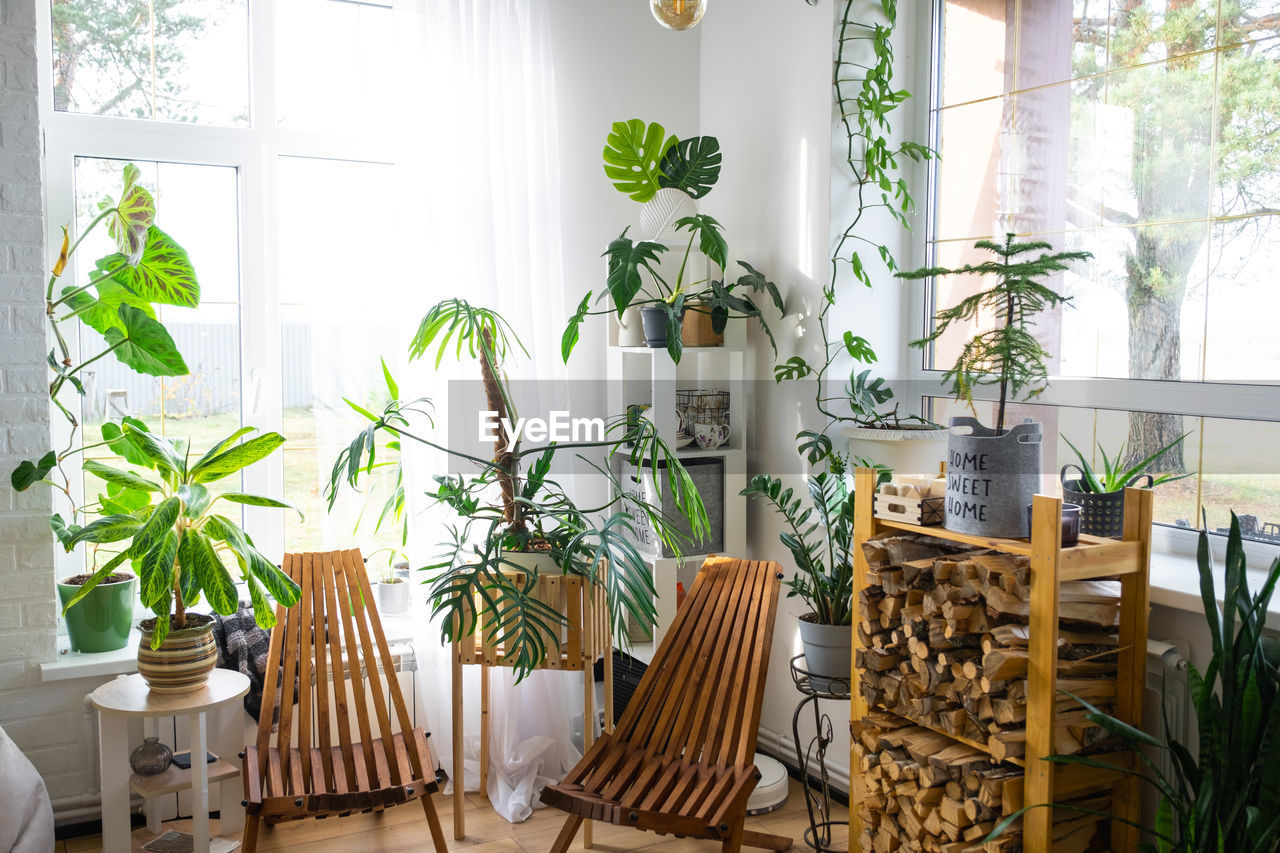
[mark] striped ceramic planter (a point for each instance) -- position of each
(183, 661)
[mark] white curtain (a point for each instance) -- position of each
(482, 223)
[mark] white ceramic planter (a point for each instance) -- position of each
(394, 599)
(905, 451)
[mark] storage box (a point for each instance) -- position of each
(708, 478)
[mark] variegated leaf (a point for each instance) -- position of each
(162, 274)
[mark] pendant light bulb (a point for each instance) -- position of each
(678, 14)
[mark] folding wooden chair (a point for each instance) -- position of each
(332, 641)
(680, 759)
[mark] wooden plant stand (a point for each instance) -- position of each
(1094, 558)
(584, 640)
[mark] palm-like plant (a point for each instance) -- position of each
(509, 507)
(160, 517)
(1009, 354)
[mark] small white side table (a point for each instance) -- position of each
(128, 696)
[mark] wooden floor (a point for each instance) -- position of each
(405, 829)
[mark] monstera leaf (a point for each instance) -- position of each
(633, 155)
(710, 237)
(163, 273)
(692, 165)
(625, 260)
(143, 344)
(133, 216)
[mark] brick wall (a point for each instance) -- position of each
(46, 721)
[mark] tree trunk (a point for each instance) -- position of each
(1157, 283)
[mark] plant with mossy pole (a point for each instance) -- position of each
(873, 165)
(1008, 355)
(508, 507)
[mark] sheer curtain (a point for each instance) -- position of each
(481, 222)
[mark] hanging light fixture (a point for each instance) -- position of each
(678, 14)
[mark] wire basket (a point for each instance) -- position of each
(699, 406)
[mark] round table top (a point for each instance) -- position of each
(129, 696)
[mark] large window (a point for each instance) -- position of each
(262, 130)
(1148, 133)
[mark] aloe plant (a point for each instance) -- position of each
(1113, 477)
(157, 514)
(1226, 798)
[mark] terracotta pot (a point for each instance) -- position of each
(183, 661)
(696, 330)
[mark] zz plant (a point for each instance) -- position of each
(158, 514)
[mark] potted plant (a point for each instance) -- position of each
(158, 515)
(392, 591)
(118, 301)
(514, 520)
(820, 539)
(1100, 495)
(1222, 796)
(993, 473)
(668, 174)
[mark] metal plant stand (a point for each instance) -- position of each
(814, 756)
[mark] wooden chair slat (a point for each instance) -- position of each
(331, 640)
(304, 666)
(680, 760)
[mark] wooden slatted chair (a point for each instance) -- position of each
(680, 759)
(320, 762)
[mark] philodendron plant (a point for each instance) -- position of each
(159, 515)
(642, 159)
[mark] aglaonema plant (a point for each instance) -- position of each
(158, 515)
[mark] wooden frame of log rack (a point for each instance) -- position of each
(1127, 560)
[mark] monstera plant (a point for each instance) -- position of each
(650, 166)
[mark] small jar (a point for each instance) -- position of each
(151, 758)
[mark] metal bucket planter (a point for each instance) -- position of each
(828, 654)
(1101, 514)
(991, 479)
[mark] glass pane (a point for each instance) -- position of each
(334, 68)
(1166, 110)
(1155, 30)
(968, 169)
(1237, 477)
(976, 40)
(1240, 333)
(333, 345)
(173, 60)
(1248, 20)
(197, 206)
(1060, 39)
(1248, 144)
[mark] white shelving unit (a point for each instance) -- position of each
(640, 375)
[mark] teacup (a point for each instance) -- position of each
(709, 436)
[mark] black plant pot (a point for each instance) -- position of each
(1101, 514)
(654, 321)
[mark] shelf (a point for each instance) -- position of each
(218, 843)
(1010, 546)
(687, 349)
(714, 453)
(177, 778)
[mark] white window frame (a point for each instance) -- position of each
(1232, 400)
(254, 151)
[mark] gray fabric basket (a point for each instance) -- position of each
(991, 479)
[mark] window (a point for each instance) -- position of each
(246, 129)
(1145, 132)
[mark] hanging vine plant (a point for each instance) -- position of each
(874, 163)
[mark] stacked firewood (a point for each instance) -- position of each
(922, 791)
(944, 644)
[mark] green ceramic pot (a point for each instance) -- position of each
(101, 621)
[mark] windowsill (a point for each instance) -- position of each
(1175, 583)
(71, 665)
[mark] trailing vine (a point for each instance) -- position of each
(865, 100)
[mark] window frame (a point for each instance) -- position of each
(254, 151)
(1197, 399)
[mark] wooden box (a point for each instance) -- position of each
(926, 512)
